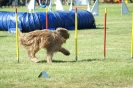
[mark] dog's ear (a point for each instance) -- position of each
(63, 32)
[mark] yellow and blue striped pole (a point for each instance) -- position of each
(132, 39)
(17, 42)
(76, 35)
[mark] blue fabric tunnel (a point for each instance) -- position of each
(31, 21)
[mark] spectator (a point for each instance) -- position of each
(9, 2)
(131, 1)
(37, 2)
(1, 3)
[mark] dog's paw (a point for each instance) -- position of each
(68, 53)
(35, 60)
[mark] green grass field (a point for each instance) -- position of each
(90, 71)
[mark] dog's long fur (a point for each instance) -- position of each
(50, 40)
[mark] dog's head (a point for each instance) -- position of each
(63, 32)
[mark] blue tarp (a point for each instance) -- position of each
(32, 21)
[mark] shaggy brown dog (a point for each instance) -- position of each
(51, 40)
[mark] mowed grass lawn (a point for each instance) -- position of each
(90, 71)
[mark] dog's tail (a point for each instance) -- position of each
(19, 32)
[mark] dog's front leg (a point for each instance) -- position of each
(49, 56)
(64, 51)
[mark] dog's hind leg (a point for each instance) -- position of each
(64, 51)
(31, 54)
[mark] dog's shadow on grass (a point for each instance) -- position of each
(56, 61)
(91, 60)
(62, 61)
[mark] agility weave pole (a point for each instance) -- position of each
(105, 15)
(132, 39)
(46, 18)
(76, 35)
(17, 42)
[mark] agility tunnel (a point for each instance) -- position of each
(31, 21)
